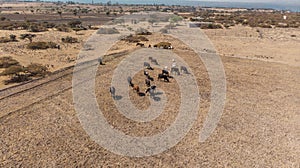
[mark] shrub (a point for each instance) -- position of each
(4, 40)
(142, 31)
(170, 26)
(211, 26)
(164, 30)
(63, 28)
(35, 69)
(282, 25)
(134, 39)
(69, 39)
(164, 45)
(265, 25)
(2, 18)
(16, 73)
(37, 28)
(48, 25)
(11, 38)
(108, 31)
(8, 25)
(13, 70)
(6, 62)
(74, 24)
(41, 45)
(119, 21)
(28, 36)
(17, 79)
(175, 19)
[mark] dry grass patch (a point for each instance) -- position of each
(41, 45)
(6, 62)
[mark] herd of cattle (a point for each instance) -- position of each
(165, 75)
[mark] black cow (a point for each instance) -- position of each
(163, 76)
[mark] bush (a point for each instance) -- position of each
(170, 26)
(11, 38)
(19, 73)
(63, 28)
(41, 45)
(164, 30)
(69, 39)
(6, 62)
(74, 24)
(211, 26)
(164, 45)
(108, 31)
(264, 26)
(37, 28)
(13, 70)
(17, 79)
(28, 36)
(8, 25)
(175, 19)
(36, 70)
(134, 39)
(48, 25)
(4, 40)
(142, 31)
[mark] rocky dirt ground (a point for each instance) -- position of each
(274, 45)
(258, 127)
(54, 59)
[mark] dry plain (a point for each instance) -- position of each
(258, 128)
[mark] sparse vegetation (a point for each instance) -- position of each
(13, 70)
(249, 18)
(11, 38)
(6, 62)
(164, 30)
(37, 28)
(142, 31)
(69, 39)
(36, 70)
(18, 73)
(63, 28)
(74, 24)
(211, 26)
(170, 26)
(2, 18)
(175, 19)
(41, 45)
(134, 38)
(27, 36)
(108, 31)
(164, 45)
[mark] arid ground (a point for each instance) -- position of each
(259, 127)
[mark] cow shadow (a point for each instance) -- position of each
(117, 97)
